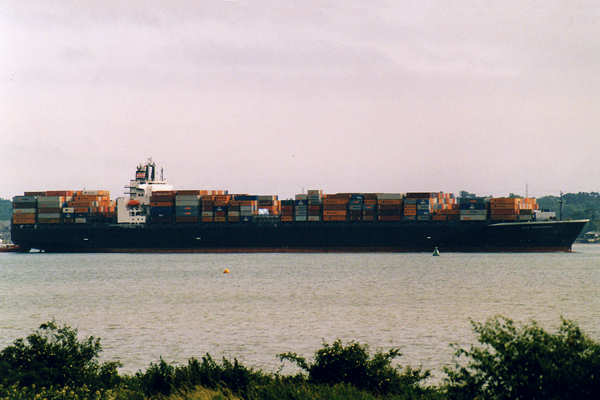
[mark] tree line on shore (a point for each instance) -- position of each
(510, 361)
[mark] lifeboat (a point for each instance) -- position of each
(133, 203)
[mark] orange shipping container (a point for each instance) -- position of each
(59, 193)
(330, 213)
(161, 204)
(335, 200)
(334, 218)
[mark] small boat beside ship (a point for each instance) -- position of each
(9, 248)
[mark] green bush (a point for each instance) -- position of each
(158, 378)
(352, 364)
(53, 356)
(164, 379)
(526, 363)
(509, 362)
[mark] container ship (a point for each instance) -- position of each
(154, 217)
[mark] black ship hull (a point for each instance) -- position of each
(452, 236)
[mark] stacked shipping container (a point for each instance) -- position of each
(161, 206)
(24, 210)
(355, 206)
(195, 206)
(63, 206)
(446, 208)
(473, 208)
(88, 204)
(187, 206)
(248, 206)
(369, 207)
(301, 208)
(512, 209)
(315, 205)
(268, 205)
(50, 209)
(335, 207)
(390, 206)
(287, 210)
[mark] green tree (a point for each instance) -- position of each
(526, 362)
(53, 356)
(5, 210)
(352, 364)
(580, 205)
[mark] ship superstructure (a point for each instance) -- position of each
(134, 210)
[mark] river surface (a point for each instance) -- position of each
(144, 306)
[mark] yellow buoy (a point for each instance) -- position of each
(225, 271)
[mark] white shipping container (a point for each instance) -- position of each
(473, 212)
(80, 220)
(314, 218)
(49, 215)
(194, 203)
(50, 198)
(68, 210)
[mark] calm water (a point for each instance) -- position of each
(182, 305)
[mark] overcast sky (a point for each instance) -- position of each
(276, 96)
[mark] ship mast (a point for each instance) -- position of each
(560, 203)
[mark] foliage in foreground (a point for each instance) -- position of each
(526, 363)
(510, 362)
(352, 364)
(163, 378)
(53, 356)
